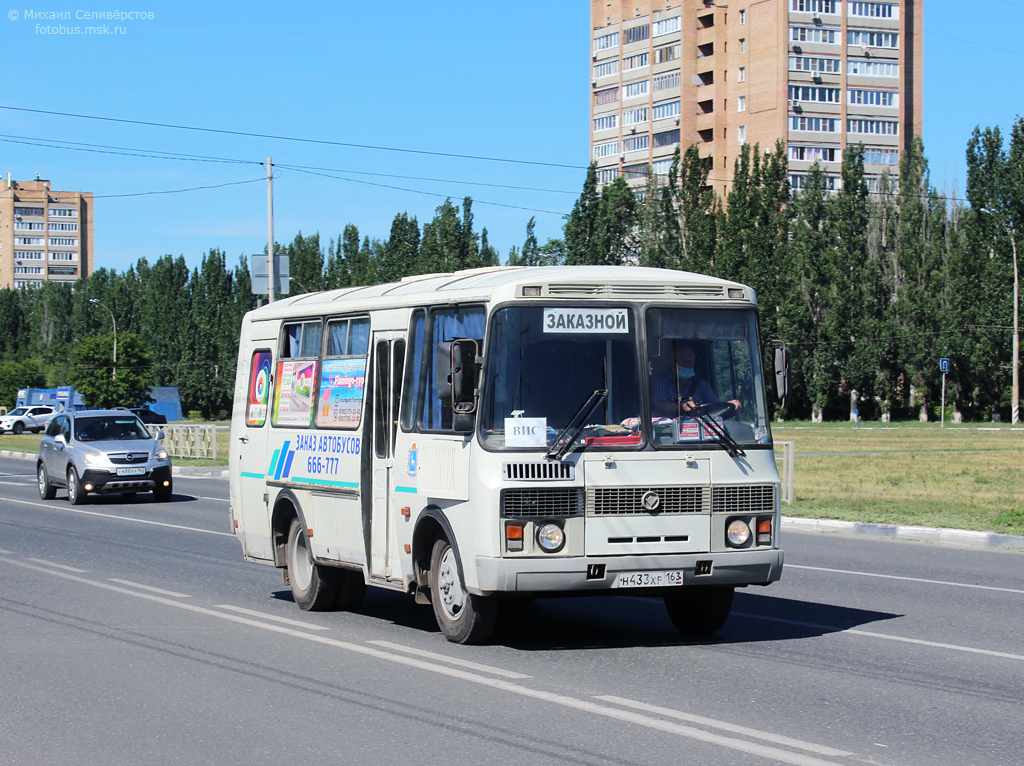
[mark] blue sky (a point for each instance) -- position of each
(487, 79)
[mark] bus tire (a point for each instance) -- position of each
(351, 589)
(699, 610)
(463, 617)
(313, 587)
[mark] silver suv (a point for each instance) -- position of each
(102, 451)
(21, 419)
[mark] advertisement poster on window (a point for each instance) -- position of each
(293, 403)
(259, 389)
(342, 382)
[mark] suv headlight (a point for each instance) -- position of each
(159, 454)
(94, 458)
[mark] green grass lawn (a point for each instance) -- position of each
(964, 477)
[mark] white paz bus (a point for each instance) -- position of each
(509, 433)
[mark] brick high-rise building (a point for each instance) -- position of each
(44, 235)
(820, 75)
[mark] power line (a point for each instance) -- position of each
(179, 191)
(295, 139)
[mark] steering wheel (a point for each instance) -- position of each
(715, 409)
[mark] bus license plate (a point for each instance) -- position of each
(131, 471)
(648, 579)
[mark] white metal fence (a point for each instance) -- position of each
(191, 441)
(785, 452)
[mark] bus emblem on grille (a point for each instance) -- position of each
(650, 501)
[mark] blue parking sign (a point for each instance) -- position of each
(944, 365)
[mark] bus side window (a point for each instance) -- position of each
(414, 372)
(447, 324)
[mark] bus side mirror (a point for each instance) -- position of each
(456, 371)
(782, 373)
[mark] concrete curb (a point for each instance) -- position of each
(924, 534)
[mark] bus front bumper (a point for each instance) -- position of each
(597, 573)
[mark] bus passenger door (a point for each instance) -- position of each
(388, 363)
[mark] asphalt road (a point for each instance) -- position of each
(132, 632)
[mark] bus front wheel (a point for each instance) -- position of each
(463, 617)
(699, 610)
(313, 587)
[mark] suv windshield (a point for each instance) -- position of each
(17, 411)
(110, 428)
(544, 364)
(704, 366)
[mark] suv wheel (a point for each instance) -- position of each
(46, 490)
(76, 495)
(19, 427)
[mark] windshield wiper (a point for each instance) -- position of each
(716, 430)
(576, 424)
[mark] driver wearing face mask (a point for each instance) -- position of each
(671, 392)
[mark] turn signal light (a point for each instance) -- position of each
(514, 537)
(764, 532)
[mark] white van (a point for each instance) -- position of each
(507, 433)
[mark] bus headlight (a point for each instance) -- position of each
(550, 538)
(737, 533)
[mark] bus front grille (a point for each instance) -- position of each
(547, 471)
(541, 503)
(621, 501)
(750, 498)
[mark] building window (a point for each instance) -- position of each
(873, 10)
(63, 242)
(741, 134)
(22, 283)
(63, 256)
(666, 26)
(28, 269)
(872, 68)
(666, 138)
(669, 53)
(878, 156)
(607, 96)
(815, 6)
(743, 18)
(636, 34)
(606, 68)
(28, 211)
(607, 175)
(636, 143)
(873, 127)
(63, 226)
(662, 167)
(814, 124)
(63, 271)
(814, 153)
(635, 89)
(662, 111)
(30, 240)
(25, 226)
(814, 94)
(741, 104)
(63, 212)
(634, 116)
(639, 61)
(814, 35)
(666, 81)
(742, 76)
(607, 122)
(809, 64)
(872, 39)
(873, 97)
(28, 255)
(798, 182)
(606, 149)
(632, 172)
(606, 42)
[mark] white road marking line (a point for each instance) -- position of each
(218, 499)
(450, 660)
(17, 483)
(778, 739)
(275, 618)
(6, 553)
(68, 509)
(59, 566)
(586, 706)
(161, 591)
(906, 579)
(869, 634)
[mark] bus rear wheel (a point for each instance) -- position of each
(699, 610)
(314, 587)
(464, 618)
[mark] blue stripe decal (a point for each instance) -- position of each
(249, 475)
(288, 464)
(280, 463)
(273, 462)
(327, 482)
(411, 490)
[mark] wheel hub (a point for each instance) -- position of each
(452, 596)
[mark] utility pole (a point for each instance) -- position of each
(271, 277)
(113, 322)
